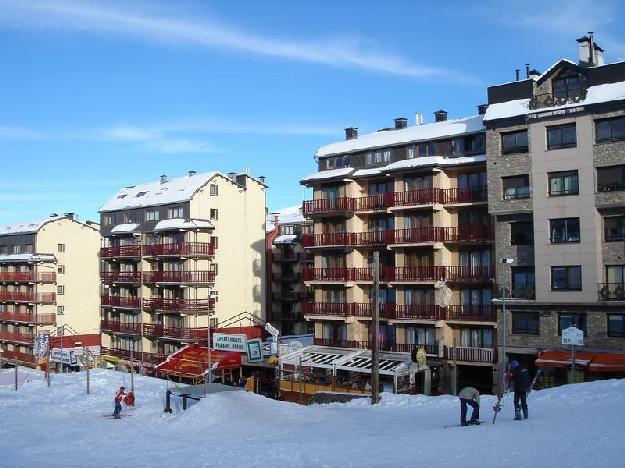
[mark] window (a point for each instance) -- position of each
(214, 268)
(563, 136)
(287, 230)
(566, 278)
(60, 310)
(176, 213)
(214, 190)
(4, 249)
(525, 323)
(569, 86)
(152, 215)
(120, 197)
(567, 320)
(330, 163)
(60, 290)
(516, 187)
(60, 269)
(140, 194)
(610, 130)
(614, 228)
(475, 144)
(410, 152)
(444, 148)
(616, 325)
(347, 161)
(564, 230)
(214, 214)
(369, 158)
(563, 183)
(523, 283)
(378, 156)
(107, 220)
(522, 233)
(61, 248)
(458, 144)
(514, 142)
(17, 249)
(214, 241)
(611, 178)
(420, 335)
(476, 337)
(423, 150)
(213, 295)
(387, 155)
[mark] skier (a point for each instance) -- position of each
(118, 402)
(520, 383)
(469, 396)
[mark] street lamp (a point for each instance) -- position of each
(139, 238)
(504, 261)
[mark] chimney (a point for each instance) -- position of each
(598, 55)
(440, 116)
(351, 133)
(481, 109)
(69, 215)
(534, 74)
(262, 179)
(163, 179)
(53, 215)
(517, 74)
(527, 70)
(192, 173)
(400, 123)
(232, 176)
(418, 118)
(590, 54)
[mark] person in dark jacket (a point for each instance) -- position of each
(520, 383)
(119, 396)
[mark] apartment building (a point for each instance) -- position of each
(416, 194)
(556, 188)
(48, 278)
(287, 260)
(176, 253)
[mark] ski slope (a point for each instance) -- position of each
(61, 426)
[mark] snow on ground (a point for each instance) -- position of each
(576, 425)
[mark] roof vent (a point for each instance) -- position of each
(69, 215)
(262, 179)
(53, 215)
(481, 109)
(400, 123)
(351, 133)
(232, 176)
(418, 118)
(163, 179)
(440, 116)
(192, 173)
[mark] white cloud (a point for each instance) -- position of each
(18, 133)
(183, 30)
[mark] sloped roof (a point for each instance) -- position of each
(29, 227)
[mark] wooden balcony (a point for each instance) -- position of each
(469, 274)
(187, 306)
(328, 274)
(18, 356)
(333, 239)
(464, 195)
(179, 277)
(174, 333)
(477, 313)
(120, 277)
(430, 349)
(133, 250)
(335, 309)
(180, 249)
(415, 273)
(417, 312)
(481, 355)
(380, 201)
(15, 337)
(420, 235)
(40, 319)
(43, 298)
(372, 238)
(120, 302)
(123, 328)
(27, 277)
(329, 206)
(419, 197)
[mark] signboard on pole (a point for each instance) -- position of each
(573, 336)
(42, 346)
(254, 350)
(226, 342)
(65, 356)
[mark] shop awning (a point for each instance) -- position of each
(608, 362)
(192, 362)
(563, 359)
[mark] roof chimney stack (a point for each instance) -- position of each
(418, 118)
(534, 74)
(517, 74)
(590, 54)
(192, 173)
(262, 179)
(69, 215)
(400, 123)
(527, 70)
(351, 133)
(481, 109)
(163, 179)
(440, 116)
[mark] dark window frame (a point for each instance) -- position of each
(568, 286)
(617, 237)
(516, 147)
(568, 239)
(558, 130)
(611, 138)
(528, 287)
(515, 193)
(617, 334)
(613, 186)
(580, 318)
(517, 240)
(526, 325)
(563, 175)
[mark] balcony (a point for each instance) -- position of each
(27, 277)
(420, 235)
(477, 313)
(372, 238)
(329, 274)
(43, 298)
(333, 239)
(16, 337)
(329, 206)
(174, 333)
(427, 196)
(611, 291)
(380, 201)
(187, 306)
(179, 277)
(18, 356)
(180, 249)
(415, 273)
(469, 274)
(124, 328)
(417, 312)
(124, 354)
(335, 309)
(430, 349)
(120, 276)
(120, 302)
(465, 354)
(540, 101)
(128, 251)
(41, 319)
(468, 233)
(464, 195)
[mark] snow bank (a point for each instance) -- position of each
(577, 425)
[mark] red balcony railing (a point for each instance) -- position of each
(27, 277)
(17, 337)
(148, 358)
(179, 305)
(338, 309)
(418, 197)
(379, 201)
(416, 235)
(328, 274)
(179, 276)
(487, 355)
(120, 327)
(329, 239)
(44, 319)
(329, 206)
(121, 302)
(19, 356)
(418, 311)
(415, 273)
(336, 343)
(372, 238)
(464, 195)
(45, 298)
(469, 273)
(430, 349)
(120, 276)
(180, 249)
(133, 250)
(481, 313)
(468, 233)
(178, 333)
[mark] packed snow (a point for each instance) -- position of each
(61, 426)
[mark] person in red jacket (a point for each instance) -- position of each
(118, 402)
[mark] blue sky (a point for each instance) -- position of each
(101, 94)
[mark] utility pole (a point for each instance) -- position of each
(16, 365)
(132, 370)
(375, 367)
(139, 236)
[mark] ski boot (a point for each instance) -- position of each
(474, 422)
(517, 415)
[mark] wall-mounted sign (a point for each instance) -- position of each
(225, 342)
(254, 350)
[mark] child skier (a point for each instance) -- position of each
(118, 402)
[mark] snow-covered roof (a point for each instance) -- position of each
(595, 95)
(27, 258)
(179, 223)
(328, 174)
(29, 227)
(291, 215)
(156, 193)
(285, 239)
(391, 137)
(124, 228)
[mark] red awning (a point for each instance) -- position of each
(608, 362)
(192, 362)
(563, 359)
(93, 339)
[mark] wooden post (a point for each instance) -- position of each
(168, 401)
(455, 374)
(375, 369)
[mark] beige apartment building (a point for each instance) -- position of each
(176, 252)
(416, 194)
(556, 187)
(48, 278)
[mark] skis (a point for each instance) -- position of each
(460, 425)
(110, 416)
(497, 407)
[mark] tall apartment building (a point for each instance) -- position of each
(48, 278)
(417, 195)
(556, 188)
(176, 251)
(287, 259)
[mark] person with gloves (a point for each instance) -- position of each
(520, 383)
(469, 396)
(118, 402)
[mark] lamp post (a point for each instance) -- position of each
(504, 332)
(85, 353)
(209, 370)
(139, 237)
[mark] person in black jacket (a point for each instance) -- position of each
(520, 383)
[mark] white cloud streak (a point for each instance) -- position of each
(18, 133)
(119, 19)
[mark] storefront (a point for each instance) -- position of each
(556, 366)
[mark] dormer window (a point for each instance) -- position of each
(140, 194)
(568, 86)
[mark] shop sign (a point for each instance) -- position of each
(226, 342)
(254, 350)
(573, 336)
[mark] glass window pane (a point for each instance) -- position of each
(554, 138)
(569, 135)
(603, 130)
(521, 139)
(618, 129)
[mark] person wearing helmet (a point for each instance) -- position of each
(118, 402)
(520, 383)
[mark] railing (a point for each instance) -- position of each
(149, 358)
(121, 301)
(415, 273)
(179, 333)
(45, 319)
(415, 235)
(179, 277)
(329, 205)
(27, 277)
(611, 187)
(427, 196)
(133, 250)
(336, 343)
(464, 195)
(180, 249)
(611, 291)
(16, 337)
(19, 356)
(550, 100)
(481, 313)
(469, 273)
(364, 309)
(379, 201)
(431, 349)
(337, 309)
(417, 311)
(468, 233)
(333, 238)
(486, 355)
(120, 276)
(516, 193)
(328, 274)
(372, 237)
(45, 298)
(179, 305)
(527, 292)
(120, 327)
